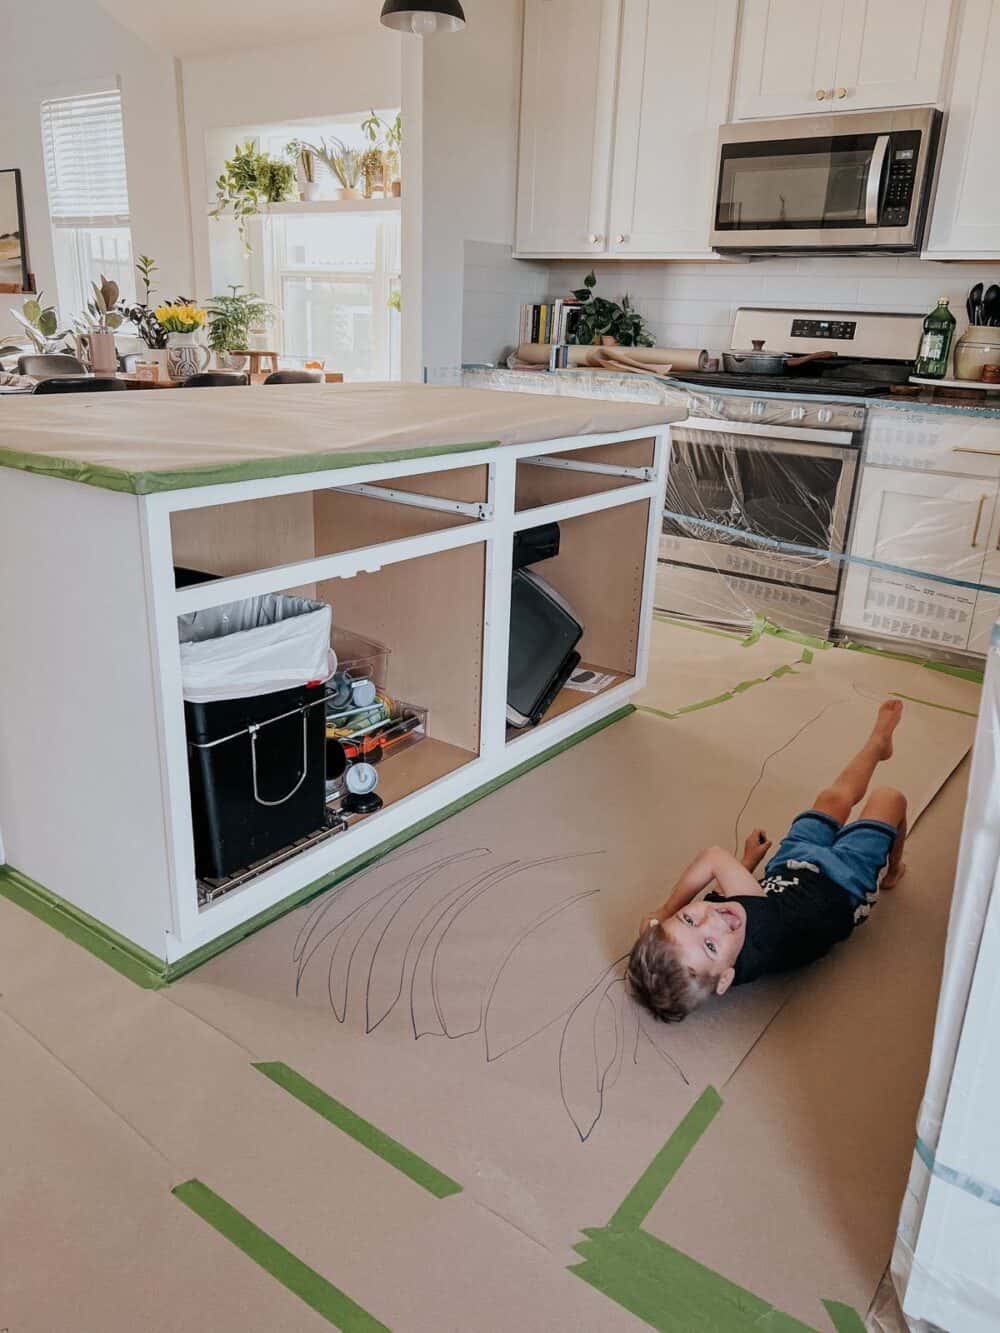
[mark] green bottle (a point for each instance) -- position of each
(935, 345)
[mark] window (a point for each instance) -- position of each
(332, 278)
(83, 143)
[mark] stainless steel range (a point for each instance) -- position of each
(763, 473)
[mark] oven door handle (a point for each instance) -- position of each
(713, 426)
(873, 189)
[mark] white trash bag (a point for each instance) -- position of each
(253, 647)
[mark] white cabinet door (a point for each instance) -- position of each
(919, 522)
(892, 53)
(676, 66)
(966, 219)
(787, 56)
(800, 56)
(567, 113)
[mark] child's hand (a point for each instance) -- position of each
(756, 847)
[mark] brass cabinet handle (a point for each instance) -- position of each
(979, 519)
(841, 92)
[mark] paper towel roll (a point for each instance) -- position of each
(653, 359)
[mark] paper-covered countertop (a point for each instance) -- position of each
(148, 442)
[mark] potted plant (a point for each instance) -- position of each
(373, 158)
(230, 321)
(185, 355)
(249, 181)
(305, 156)
(96, 324)
(142, 316)
(41, 324)
(345, 164)
(602, 321)
(394, 156)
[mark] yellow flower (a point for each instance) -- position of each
(180, 318)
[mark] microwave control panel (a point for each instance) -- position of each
(904, 150)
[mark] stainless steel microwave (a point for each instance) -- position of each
(857, 182)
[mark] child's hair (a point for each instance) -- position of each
(667, 987)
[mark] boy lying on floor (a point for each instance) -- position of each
(821, 883)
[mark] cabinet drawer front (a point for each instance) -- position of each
(934, 442)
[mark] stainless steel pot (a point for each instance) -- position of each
(759, 362)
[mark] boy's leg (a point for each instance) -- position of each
(843, 794)
(889, 805)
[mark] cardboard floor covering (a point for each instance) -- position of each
(464, 996)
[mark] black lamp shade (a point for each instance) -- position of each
(400, 14)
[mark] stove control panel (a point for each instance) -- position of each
(841, 329)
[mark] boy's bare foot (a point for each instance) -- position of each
(889, 715)
(892, 877)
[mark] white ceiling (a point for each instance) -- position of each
(211, 27)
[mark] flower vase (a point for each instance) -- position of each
(101, 349)
(185, 356)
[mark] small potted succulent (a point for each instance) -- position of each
(304, 156)
(345, 164)
(186, 356)
(231, 320)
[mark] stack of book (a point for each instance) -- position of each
(549, 322)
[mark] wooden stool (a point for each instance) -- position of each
(255, 362)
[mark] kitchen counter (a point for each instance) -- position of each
(642, 388)
(147, 443)
(396, 505)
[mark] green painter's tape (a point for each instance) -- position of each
(704, 703)
(199, 956)
(844, 1318)
(928, 703)
(698, 629)
(794, 636)
(335, 1306)
(672, 1292)
(807, 657)
(945, 668)
(363, 1131)
(657, 1176)
(213, 474)
(145, 969)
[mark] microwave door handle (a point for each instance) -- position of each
(873, 190)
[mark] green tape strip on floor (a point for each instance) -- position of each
(945, 668)
(634, 1208)
(145, 969)
(361, 1130)
(929, 703)
(315, 1291)
(845, 1320)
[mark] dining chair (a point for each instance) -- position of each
(78, 384)
(295, 377)
(215, 379)
(46, 365)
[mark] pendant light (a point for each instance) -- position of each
(425, 19)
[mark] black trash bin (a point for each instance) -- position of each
(256, 763)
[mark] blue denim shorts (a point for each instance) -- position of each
(854, 856)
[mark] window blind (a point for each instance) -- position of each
(83, 142)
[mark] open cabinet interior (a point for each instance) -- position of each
(571, 475)
(599, 574)
(414, 627)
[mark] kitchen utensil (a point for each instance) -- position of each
(973, 306)
(759, 362)
(991, 305)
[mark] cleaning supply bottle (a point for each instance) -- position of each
(935, 344)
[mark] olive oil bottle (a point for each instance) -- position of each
(935, 344)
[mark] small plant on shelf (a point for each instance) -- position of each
(599, 320)
(345, 163)
(305, 155)
(394, 155)
(41, 324)
(249, 181)
(231, 319)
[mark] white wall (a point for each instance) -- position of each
(471, 87)
(51, 48)
(318, 79)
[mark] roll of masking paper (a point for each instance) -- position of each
(653, 360)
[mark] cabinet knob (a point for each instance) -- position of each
(595, 239)
(621, 238)
(841, 92)
(820, 94)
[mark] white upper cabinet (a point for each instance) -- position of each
(621, 101)
(567, 117)
(673, 94)
(801, 56)
(966, 220)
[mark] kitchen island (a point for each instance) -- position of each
(397, 505)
